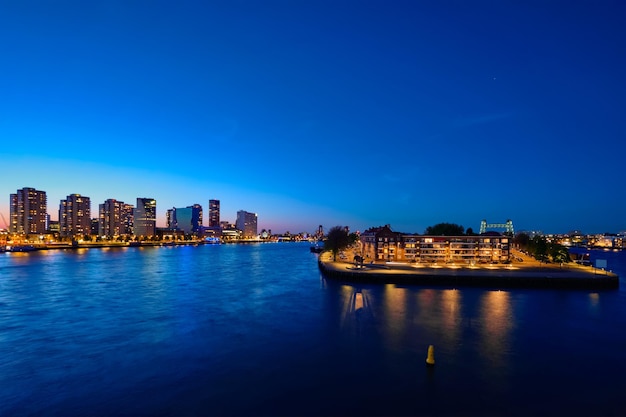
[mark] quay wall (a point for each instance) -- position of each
(521, 278)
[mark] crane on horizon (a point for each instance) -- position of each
(6, 225)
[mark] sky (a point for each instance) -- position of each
(358, 113)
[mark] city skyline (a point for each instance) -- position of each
(74, 205)
(213, 210)
(332, 113)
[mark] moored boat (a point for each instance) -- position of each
(21, 248)
(317, 249)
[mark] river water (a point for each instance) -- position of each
(250, 330)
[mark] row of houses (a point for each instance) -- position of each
(381, 244)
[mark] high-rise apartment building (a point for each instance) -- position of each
(28, 211)
(75, 216)
(111, 218)
(145, 217)
(170, 218)
(95, 224)
(247, 223)
(214, 213)
(128, 218)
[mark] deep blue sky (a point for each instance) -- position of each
(357, 113)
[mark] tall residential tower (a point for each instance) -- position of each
(75, 216)
(214, 213)
(145, 217)
(247, 223)
(111, 218)
(29, 212)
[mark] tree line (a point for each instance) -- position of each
(541, 249)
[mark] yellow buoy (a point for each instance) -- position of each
(430, 359)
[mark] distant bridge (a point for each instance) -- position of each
(508, 226)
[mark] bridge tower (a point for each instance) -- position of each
(508, 226)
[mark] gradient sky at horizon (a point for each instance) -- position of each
(358, 113)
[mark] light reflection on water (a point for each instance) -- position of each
(255, 330)
(451, 317)
(407, 317)
(497, 319)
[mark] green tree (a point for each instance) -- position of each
(559, 253)
(539, 248)
(336, 239)
(445, 229)
(470, 232)
(521, 240)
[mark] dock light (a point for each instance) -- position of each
(430, 359)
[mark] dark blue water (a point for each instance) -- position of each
(255, 330)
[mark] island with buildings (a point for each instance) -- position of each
(488, 259)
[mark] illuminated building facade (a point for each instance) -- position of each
(247, 223)
(145, 217)
(128, 216)
(95, 225)
(383, 245)
(28, 212)
(214, 213)
(111, 218)
(53, 227)
(75, 216)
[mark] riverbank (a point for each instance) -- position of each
(519, 275)
(97, 245)
(94, 245)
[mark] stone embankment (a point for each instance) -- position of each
(519, 275)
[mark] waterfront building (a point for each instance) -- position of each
(169, 234)
(28, 212)
(214, 213)
(384, 245)
(170, 218)
(145, 217)
(247, 223)
(111, 218)
(128, 216)
(412, 247)
(231, 234)
(53, 227)
(211, 232)
(196, 218)
(226, 225)
(463, 249)
(75, 216)
(381, 244)
(95, 223)
(186, 219)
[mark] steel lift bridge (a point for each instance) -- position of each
(508, 226)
